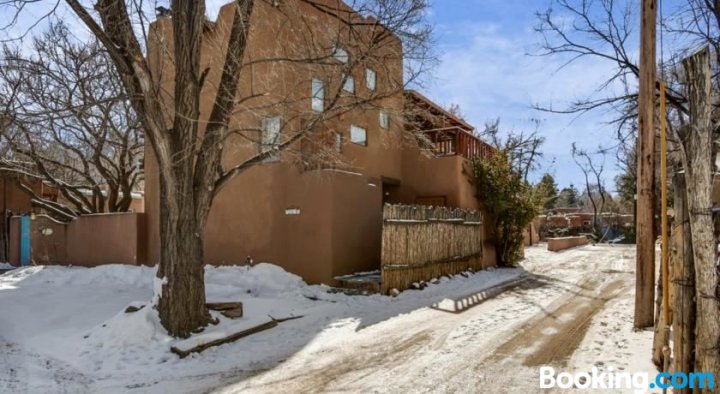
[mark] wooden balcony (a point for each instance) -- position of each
(455, 141)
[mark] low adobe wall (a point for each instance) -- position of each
(558, 244)
(116, 238)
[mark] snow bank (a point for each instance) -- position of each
(6, 266)
(114, 274)
(260, 280)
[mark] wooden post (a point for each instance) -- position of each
(663, 206)
(683, 281)
(645, 242)
(661, 339)
(697, 160)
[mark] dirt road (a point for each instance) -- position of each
(462, 346)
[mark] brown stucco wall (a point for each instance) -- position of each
(531, 236)
(14, 242)
(558, 244)
(86, 241)
(106, 239)
(338, 229)
(48, 241)
(12, 198)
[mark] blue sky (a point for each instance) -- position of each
(486, 69)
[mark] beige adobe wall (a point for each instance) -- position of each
(558, 244)
(90, 240)
(117, 238)
(356, 223)
(425, 176)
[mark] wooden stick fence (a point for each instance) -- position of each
(420, 243)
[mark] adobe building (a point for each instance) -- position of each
(316, 208)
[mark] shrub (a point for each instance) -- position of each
(509, 201)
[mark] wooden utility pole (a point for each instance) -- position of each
(644, 225)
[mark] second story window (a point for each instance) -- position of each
(338, 142)
(370, 79)
(341, 54)
(349, 85)
(318, 95)
(270, 135)
(384, 119)
(358, 135)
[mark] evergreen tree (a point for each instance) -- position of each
(547, 192)
(568, 197)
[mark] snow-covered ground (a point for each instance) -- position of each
(64, 330)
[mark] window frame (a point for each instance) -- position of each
(265, 144)
(338, 142)
(384, 114)
(341, 54)
(368, 72)
(353, 128)
(348, 80)
(317, 96)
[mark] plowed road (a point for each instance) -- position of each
(573, 310)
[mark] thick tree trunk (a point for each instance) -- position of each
(683, 280)
(182, 300)
(697, 155)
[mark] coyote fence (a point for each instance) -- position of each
(420, 243)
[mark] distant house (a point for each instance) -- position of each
(316, 219)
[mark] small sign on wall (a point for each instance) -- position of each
(293, 211)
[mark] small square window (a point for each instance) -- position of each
(349, 85)
(370, 79)
(358, 135)
(338, 142)
(270, 135)
(384, 120)
(318, 95)
(341, 54)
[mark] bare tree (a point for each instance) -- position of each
(68, 123)
(592, 170)
(522, 148)
(188, 147)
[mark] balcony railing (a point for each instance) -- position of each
(455, 141)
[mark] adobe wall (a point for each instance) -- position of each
(356, 224)
(558, 244)
(106, 239)
(12, 198)
(48, 240)
(86, 241)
